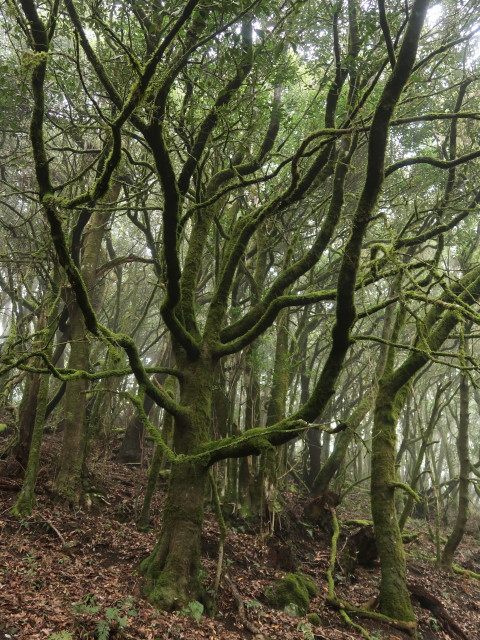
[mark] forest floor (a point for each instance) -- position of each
(68, 574)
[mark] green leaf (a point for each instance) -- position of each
(253, 603)
(103, 630)
(193, 610)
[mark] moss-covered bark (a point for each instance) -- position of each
(435, 330)
(394, 595)
(458, 531)
(26, 418)
(172, 570)
(68, 483)
(26, 498)
(158, 461)
(417, 465)
(272, 459)
(249, 496)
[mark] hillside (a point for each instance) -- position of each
(73, 574)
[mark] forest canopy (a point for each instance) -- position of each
(248, 233)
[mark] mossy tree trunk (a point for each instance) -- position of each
(172, 569)
(26, 498)
(394, 594)
(417, 465)
(249, 498)
(271, 460)
(458, 531)
(26, 418)
(158, 460)
(69, 480)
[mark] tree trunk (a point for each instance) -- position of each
(158, 460)
(249, 497)
(172, 569)
(68, 483)
(267, 485)
(416, 471)
(130, 451)
(26, 418)
(462, 448)
(394, 594)
(26, 498)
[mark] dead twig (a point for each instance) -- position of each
(54, 528)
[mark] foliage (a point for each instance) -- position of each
(273, 203)
(193, 610)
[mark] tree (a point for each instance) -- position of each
(212, 146)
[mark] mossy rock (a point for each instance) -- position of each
(292, 594)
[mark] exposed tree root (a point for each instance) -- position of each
(341, 605)
(249, 626)
(433, 604)
(357, 523)
(465, 572)
(346, 608)
(332, 599)
(55, 530)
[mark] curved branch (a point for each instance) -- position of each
(435, 162)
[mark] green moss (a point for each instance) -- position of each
(292, 593)
(310, 585)
(410, 537)
(314, 619)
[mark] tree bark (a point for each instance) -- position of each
(68, 483)
(394, 595)
(26, 418)
(172, 569)
(464, 482)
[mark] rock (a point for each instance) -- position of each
(292, 594)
